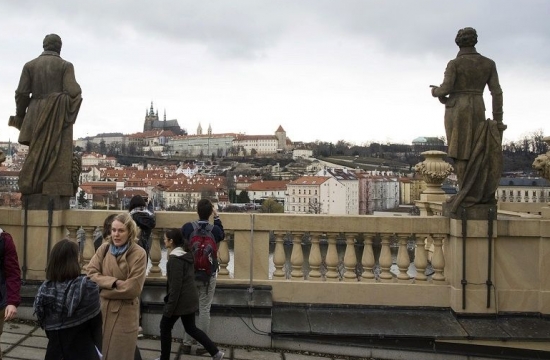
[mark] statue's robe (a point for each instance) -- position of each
(48, 99)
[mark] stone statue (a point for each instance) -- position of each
(47, 100)
(474, 143)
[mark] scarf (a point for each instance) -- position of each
(61, 305)
(118, 250)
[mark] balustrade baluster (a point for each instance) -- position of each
(89, 249)
(315, 257)
(428, 244)
(223, 256)
(367, 260)
(403, 260)
(155, 253)
(420, 259)
(438, 259)
(350, 259)
(72, 230)
(279, 257)
(385, 260)
(332, 258)
(297, 256)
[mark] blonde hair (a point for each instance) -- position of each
(130, 225)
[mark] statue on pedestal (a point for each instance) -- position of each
(47, 100)
(474, 142)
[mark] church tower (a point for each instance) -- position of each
(150, 118)
(280, 134)
(199, 129)
(209, 130)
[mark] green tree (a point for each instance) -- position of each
(272, 206)
(232, 195)
(82, 201)
(243, 197)
(102, 147)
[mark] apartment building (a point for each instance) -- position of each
(261, 190)
(349, 180)
(523, 190)
(315, 195)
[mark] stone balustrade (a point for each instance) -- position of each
(356, 260)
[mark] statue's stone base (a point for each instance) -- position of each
(41, 201)
(474, 212)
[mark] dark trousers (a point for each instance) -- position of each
(188, 321)
(75, 343)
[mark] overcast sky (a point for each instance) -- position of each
(324, 70)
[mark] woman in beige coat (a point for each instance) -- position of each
(118, 267)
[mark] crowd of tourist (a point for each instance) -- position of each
(97, 316)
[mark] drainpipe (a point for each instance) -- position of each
(464, 282)
(25, 226)
(50, 218)
(251, 288)
(489, 255)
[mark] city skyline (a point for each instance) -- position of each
(329, 71)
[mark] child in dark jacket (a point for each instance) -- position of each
(182, 299)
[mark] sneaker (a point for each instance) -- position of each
(218, 356)
(140, 332)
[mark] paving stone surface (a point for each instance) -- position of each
(305, 357)
(35, 341)
(244, 354)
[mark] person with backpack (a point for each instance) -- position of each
(10, 280)
(204, 238)
(146, 222)
(182, 298)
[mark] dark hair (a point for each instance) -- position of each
(136, 201)
(52, 42)
(107, 225)
(63, 263)
(176, 236)
(204, 209)
(466, 37)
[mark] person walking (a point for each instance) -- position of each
(118, 267)
(67, 307)
(10, 280)
(206, 285)
(182, 299)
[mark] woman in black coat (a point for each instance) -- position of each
(182, 299)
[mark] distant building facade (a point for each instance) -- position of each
(349, 180)
(265, 189)
(523, 190)
(315, 195)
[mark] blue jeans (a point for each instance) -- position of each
(206, 294)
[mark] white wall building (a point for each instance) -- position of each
(315, 195)
(265, 189)
(523, 190)
(348, 179)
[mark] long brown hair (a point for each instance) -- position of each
(63, 264)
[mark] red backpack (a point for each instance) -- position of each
(205, 251)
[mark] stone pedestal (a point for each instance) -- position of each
(41, 201)
(469, 257)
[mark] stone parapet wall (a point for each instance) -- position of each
(356, 260)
